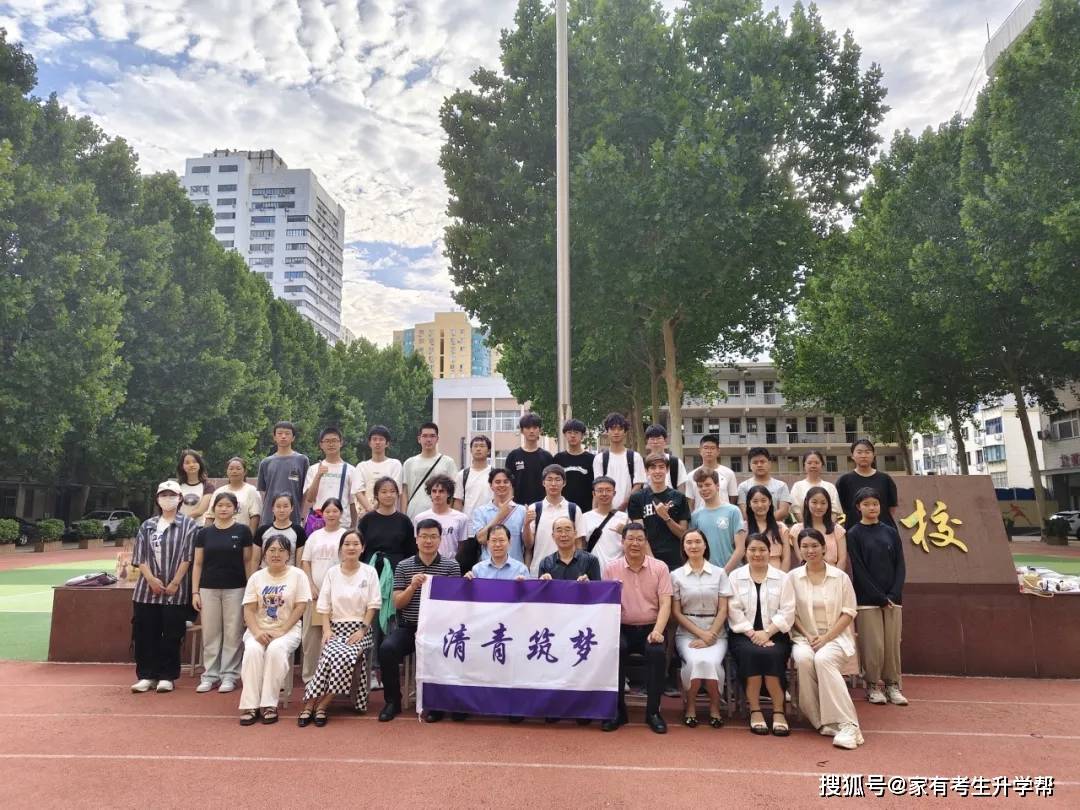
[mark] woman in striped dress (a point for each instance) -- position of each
(348, 601)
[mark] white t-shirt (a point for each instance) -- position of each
(275, 597)
(543, 539)
(476, 491)
(348, 597)
(619, 471)
(248, 504)
(729, 487)
(609, 546)
(414, 471)
(330, 487)
(798, 496)
(371, 471)
(321, 550)
(455, 528)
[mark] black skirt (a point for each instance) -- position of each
(751, 660)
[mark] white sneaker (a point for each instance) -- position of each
(227, 686)
(849, 736)
(876, 696)
(204, 686)
(143, 685)
(165, 686)
(895, 696)
(829, 730)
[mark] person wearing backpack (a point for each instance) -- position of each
(622, 465)
(656, 442)
(540, 518)
(333, 477)
(421, 468)
(471, 490)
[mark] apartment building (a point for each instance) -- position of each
(451, 345)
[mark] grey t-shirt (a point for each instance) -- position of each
(777, 488)
(278, 474)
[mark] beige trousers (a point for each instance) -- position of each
(823, 692)
(879, 632)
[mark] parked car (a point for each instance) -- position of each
(26, 529)
(110, 518)
(1072, 517)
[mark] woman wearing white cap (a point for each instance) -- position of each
(163, 552)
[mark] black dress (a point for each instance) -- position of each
(751, 660)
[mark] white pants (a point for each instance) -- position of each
(266, 668)
(312, 642)
(823, 692)
(222, 620)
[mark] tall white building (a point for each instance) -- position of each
(282, 221)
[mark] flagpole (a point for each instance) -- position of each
(562, 221)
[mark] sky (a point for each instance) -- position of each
(352, 91)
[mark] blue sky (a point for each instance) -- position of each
(352, 91)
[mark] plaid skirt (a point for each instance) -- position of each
(337, 662)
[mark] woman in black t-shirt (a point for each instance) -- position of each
(865, 475)
(282, 526)
(385, 529)
(223, 562)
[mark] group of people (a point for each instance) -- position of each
(331, 558)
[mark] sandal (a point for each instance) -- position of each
(716, 721)
(758, 728)
(690, 721)
(320, 718)
(269, 716)
(779, 725)
(247, 718)
(303, 718)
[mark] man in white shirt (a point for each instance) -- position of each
(471, 488)
(419, 469)
(330, 478)
(656, 442)
(455, 525)
(624, 466)
(376, 467)
(604, 523)
(540, 518)
(709, 448)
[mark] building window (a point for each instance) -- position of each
(828, 425)
(481, 422)
(735, 462)
(830, 464)
(262, 234)
(273, 192)
(225, 215)
(228, 168)
(298, 218)
(226, 201)
(296, 232)
(270, 206)
(978, 456)
(261, 262)
(993, 425)
(811, 424)
(225, 229)
(995, 452)
(227, 243)
(199, 189)
(733, 387)
(751, 425)
(750, 387)
(1065, 426)
(1000, 480)
(200, 170)
(697, 426)
(791, 424)
(293, 288)
(506, 421)
(768, 386)
(259, 220)
(226, 187)
(297, 246)
(734, 425)
(261, 248)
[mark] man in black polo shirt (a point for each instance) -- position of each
(409, 577)
(569, 562)
(664, 511)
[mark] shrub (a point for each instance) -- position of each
(128, 528)
(50, 529)
(89, 529)
(9, 531)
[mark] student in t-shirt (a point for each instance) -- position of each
(502, 511)
(330, 478)
(813, 464)
(385, 529)
(623, 466)
(709, 448)
(282, 508)
(760, 463)
(284, 471)
(419, 469)
(249, 502)
(578, 463)
(471, 489)
(274, 601)
(191, 473)
(378, 466)
(604, 523)
(455, 524)
(865, 475)
(320, 555)
(720, 522)
(223, 561)
(656, 442)
(540, 518)
(664, 512)
(526, 464)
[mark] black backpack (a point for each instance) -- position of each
(606, 459)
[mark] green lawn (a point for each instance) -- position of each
(1063, 565)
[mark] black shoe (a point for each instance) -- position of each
(583, 721)
(389, 712)
(515, 719)
(433, 716)
(610, 725)
(656, 723)
(552, 719)
(459, 717)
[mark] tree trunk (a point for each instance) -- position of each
(636, 439)
(958, 435)
(674, 386)
(1029, 444)
(654, 387)
(904, 441)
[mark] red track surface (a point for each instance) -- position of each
(74, 734)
